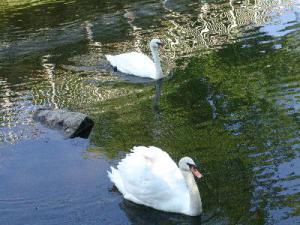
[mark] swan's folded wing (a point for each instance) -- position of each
(151, 177)
(134, 63)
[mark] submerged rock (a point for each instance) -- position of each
(72, 124)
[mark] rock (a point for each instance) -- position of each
(72, 124)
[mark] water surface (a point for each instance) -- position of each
(230, 101)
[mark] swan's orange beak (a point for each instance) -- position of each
(196, 172)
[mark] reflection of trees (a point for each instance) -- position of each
(14, 105)
(49, 71)
(136, 31)
(185, 25)
(90, 35)
(208, 25)
(241, 140)
(6, 4)
(6, 113)
(212, 25)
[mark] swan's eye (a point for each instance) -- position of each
(159, 43)
(191, 165)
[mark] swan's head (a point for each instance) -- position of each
(188, 165)
(156, 43)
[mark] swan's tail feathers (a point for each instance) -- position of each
(115, 177)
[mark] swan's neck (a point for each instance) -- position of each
(195, 204)
(156, 60)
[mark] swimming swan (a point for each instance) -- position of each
(148, 176)
(139, 64)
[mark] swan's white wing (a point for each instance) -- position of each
(134, 63)
(150, 177)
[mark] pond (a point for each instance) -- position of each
(230, 100)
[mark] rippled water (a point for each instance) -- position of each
(231, 101)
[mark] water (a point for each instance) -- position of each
(230, 101)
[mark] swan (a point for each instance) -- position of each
(148, 176)
(139, 64)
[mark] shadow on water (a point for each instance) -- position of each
(141, 215)
(132, 79)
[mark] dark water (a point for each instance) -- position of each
(231, 101)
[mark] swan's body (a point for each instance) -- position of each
(148, 176)
(139, 64)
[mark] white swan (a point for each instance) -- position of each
(139, 64)
(148, 176)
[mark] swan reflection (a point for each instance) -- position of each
(141, 215)
(157, 94)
